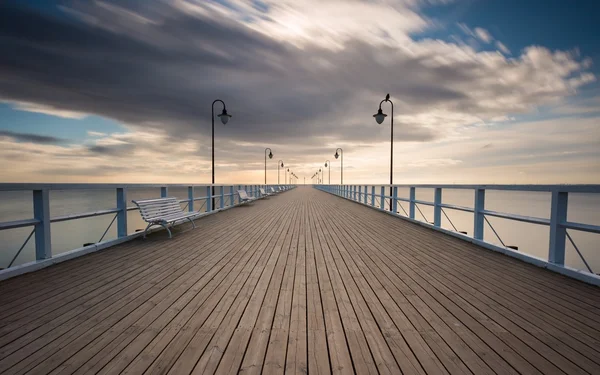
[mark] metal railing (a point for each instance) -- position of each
(557, 222)
(42, 219)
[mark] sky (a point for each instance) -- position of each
(484, 91)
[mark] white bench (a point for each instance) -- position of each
(244, 198)
(163, 211)
(264, 193)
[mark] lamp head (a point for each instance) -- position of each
(224, 116)
(270, 155)
(336, 155)
(281, 164)
(325, 164)
(379, 116)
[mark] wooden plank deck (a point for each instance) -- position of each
(303, 282)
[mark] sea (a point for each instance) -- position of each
(531, 239)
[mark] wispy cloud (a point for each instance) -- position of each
(31, 138)
(483, 35)
(46, 110)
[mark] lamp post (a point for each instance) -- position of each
(379, 117)
(286, 176)
(328, 164)
(224, 116)
(342, 169)
(270, 157)
(280, 161)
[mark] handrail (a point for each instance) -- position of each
(557, 222)
(41, 206)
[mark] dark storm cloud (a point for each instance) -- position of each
(166, 75)
(32, 138)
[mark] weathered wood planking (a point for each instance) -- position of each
(303, 282)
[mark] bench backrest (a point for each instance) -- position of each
(243, 195)
(273, 190)
(152, 209)
(262, 191)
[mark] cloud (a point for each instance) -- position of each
(96, 134)
(502, 47)
(46, 110)
(293, 77)
(31, 138)
(483, 35)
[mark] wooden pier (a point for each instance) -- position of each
(302, 282)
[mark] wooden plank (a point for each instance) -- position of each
(430, 260)
(183, 350)
(297, 356)
(343, 280)
(497, 286)
(302, 282)
(235, 333)
(274, 361)
(362, 358)
(170, 342)
(339, 353)
(318, 351)
(128, 339)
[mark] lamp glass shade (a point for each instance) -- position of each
(224, 116)
(270, 155)
(281, 165)
(325, 165)
(379, 116)
(336, 155)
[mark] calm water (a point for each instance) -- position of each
(531, 239)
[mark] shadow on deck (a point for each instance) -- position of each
(301, 282)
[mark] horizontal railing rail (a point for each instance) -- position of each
(224, 197)
(387, 199)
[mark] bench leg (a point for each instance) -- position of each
(192, 221)
(146, 230)
(166, 226)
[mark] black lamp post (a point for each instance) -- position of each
(328, 164)
(342, 169)
(278, 164)
(224, 116)
(270, 157)
(286, 176)
(379, 117)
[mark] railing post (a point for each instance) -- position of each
(382, 198)
(41, 212)
(395, 200)
(191, 198)
(208, 199)
(558, 216)
(366, 195)
(437, 207)
(164, 192)
(222, 202)
(232, 196)
(359, 193)
(478, 214)
(355, 192)
(373, 196)
(122, 214)
(411, 207)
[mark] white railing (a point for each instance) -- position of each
(557, 222)
(224, 197)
